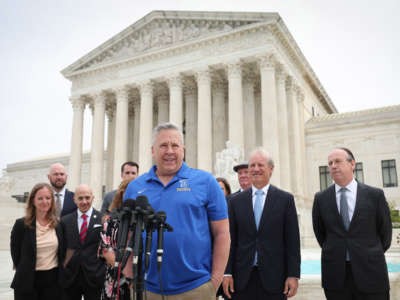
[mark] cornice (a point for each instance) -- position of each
(381, 115)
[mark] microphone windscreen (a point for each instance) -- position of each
(142, 202)
(161, 215)
(129, 203)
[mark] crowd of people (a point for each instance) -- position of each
(241, 245)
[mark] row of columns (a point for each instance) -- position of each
(280, 129)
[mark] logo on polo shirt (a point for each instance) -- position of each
(183, 186)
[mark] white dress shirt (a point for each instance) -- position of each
(351, 194)
(264, 195)
(80, 219)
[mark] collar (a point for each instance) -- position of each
(183, 173)
(264, 189)
(61, 193)
(352, 186)
(88, 213)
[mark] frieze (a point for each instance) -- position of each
(161, 33)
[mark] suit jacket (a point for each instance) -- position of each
(80, 256)
(23, 253)
(277, 240)
(69, 205)
(368, 237)
(108, 198)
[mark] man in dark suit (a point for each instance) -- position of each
(83, 272)
(129, 171)
(352, 224)
(242, 171)
(264, 260)
(64, 198)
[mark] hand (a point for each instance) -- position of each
(215, 283)
(227, 284)
(291, 285)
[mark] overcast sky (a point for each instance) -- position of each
(353, 47)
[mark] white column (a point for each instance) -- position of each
(146, 126)
(283, 130)
(110, 148)
(235, 93)
(294, 141)
(131, 130)
(204, 122)
(121, 133)
(303, 164)
(269, 120)
(163, 113)
(136, 113)
(75, 162)
(97, 151)
(250, 113)
(190, 124)
(219, 117)
(175, 100)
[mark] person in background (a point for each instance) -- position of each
(223, 183)
(352, 224)
(243, 176)
(83, 272)
(107, 249)
(129, 171)
(36, 248)
(63, 197)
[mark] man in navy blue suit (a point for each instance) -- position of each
(264, 259)
(64, 198)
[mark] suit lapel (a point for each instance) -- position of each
(269, 205)
(74, 226)
(93, 220)
(32, 236)
(359, 196)
(332, 206)
(248, 207)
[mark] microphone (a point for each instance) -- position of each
(142, 206)
(150, 223)
(161, 217)
(123, 228)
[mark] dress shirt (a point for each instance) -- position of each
(61, 195)
(351, 193)
(264, 195)
(80, 219)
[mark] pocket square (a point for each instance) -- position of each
(96, 225)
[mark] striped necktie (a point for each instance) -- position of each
(82, 233)
(58, 205)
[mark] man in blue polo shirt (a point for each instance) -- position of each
(196, 252)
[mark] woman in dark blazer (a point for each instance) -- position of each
(36, 248)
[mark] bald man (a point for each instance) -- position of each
(83, 273)
(64, 198)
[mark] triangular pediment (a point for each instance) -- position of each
(162, 29)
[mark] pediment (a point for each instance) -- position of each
(162, 29)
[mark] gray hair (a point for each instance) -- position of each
(165, 126)
(265, 154)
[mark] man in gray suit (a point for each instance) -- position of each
(353, 227)
(129, 170)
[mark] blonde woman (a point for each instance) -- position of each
(35, 248)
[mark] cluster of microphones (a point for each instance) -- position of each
(135, 217)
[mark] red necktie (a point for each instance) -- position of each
(82, 233)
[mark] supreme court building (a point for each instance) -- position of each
(220, 76)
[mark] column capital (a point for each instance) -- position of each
(281, 74)
(99, 98)
(234, 69)
(266, 61)
(122, 93)
(174, 81)
(110, 112)
(290, 84)
(300, 94)
(146, 87)
(78, 103)
(189, 87)
(203, 76)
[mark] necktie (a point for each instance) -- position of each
(58, 205)
(82, 233)
(344, 208)
(257, 213)
(258, 207)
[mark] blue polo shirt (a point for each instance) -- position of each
(191, 199)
